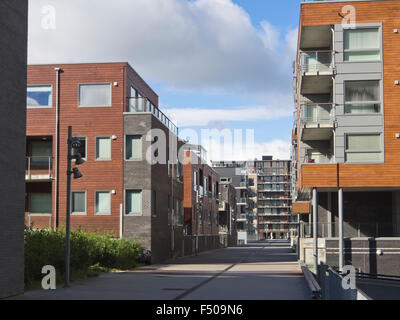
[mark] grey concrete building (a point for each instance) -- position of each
(236, 173)
(13, 60)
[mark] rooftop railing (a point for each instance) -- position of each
(143, 105)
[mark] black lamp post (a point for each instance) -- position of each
(73, 143)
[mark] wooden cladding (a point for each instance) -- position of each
(301, 208)
(364, 175)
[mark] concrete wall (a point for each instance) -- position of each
(13, 57)
(362, 254)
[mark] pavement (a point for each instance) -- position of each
(258, 271)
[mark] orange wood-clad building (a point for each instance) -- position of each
(346, 137)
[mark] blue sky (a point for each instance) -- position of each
(214, 63)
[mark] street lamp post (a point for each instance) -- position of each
(72, 143)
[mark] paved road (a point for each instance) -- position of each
(259, 271)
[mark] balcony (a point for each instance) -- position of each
(242, 217)
(39, 168)
(316, 70)
(143, 105)
(317, 121)
(242, 185)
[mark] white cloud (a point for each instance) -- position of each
(201, 45)
(218, 151)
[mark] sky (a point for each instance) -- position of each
(215, 64)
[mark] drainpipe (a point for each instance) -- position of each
(55, 162)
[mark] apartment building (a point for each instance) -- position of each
(273, 205)
(13, 36)
(201, 190)
(226, 216)
(129, 145)
(345, 148)
(236, 173)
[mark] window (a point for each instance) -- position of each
(39, 96)
(103, 148)
(95, 95)
(179, 213)
(39, 202)
(40, 152)
(133, 147)
(361, 45)
(81, 149)
(103, 202)
(169, 209)
(195, 180)
(78, 202)
(362, 97)
(363, 148)
(133, 202)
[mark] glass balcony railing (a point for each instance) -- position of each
(39, 166)
(317, 113)
(143, 105)
(316, 61)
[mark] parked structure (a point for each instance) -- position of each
(346, 134)
(13, 57)
(236, 173)
(116, 116)
(273, 189)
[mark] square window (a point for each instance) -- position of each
(134, 147)
(361, 45)
(363, 148)
(362, 97)
(95, 95)
(78, 202)
(133, 202)
(103, 202)
(39, 96)
(103, 148)
(39, 202)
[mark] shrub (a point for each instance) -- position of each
(47, 247)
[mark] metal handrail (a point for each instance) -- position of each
(40, 166)
(143, 104)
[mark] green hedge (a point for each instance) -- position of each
(46, 247)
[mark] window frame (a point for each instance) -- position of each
(51, 96)
(94, 83)
(133, 214)
(125, 148)
(381, 151)
(363, 27)
(72, 201)
(380, 101)
(95, 203)
(38, 214)
(95, 148)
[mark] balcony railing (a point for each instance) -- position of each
(39, 167)
(143, 105)
(316, 61)
(317, 113)
(319, 159)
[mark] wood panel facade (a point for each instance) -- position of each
(364, 175)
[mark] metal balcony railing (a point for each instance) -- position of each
(143, 105)
(39, 166)
(317, 113)
(316, 61)
(320, 159)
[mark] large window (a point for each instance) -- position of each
(361, 45)
(133, 147)
(103, 148)
(39, 96)
(103, 202)
(362, 97)
(133, 202)
(40, 152)
(363, 148)
(78, 202)
(39, 202)
(95, 95)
